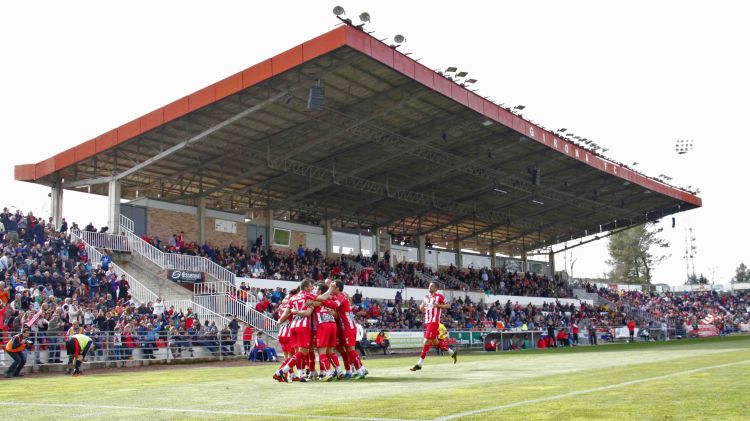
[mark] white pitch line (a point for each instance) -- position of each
(583, 392)
(90, 414)
(196, 411)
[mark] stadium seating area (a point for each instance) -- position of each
(49, 284)
(301, 263)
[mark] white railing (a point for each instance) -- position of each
(201, 311)
(213, 288)
(126, 224)
(227, 305)
(225, 297)
(103, 240)
(176, 261)
(144, 295)
(137, 290)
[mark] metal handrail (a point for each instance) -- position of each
(177, 261)
(229, 305)
(103, 240)
(126, 223)
(201, 311)
(137, 290)
(228, 291)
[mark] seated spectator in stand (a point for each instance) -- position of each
(261, 350)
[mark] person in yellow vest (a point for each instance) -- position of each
(77, 346)
(442, 336)
(14, 348)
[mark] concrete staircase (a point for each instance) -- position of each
(152, 277)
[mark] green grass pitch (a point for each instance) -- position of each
(697, 379)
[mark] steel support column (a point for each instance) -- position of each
(114, 195)
(57, 205)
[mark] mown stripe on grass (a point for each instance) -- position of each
(195, 411)
(585, 391)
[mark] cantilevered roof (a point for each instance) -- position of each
(397, 146)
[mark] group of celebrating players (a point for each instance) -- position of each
(318, 317)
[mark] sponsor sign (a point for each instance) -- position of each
(185, 276)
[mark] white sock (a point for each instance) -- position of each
(285, 369)
(450, 351)
(419, 362)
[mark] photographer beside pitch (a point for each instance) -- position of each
(77, 346)
(15, 349)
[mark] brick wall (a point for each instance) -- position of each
(164, 223)
(222, 239)
(298, 238)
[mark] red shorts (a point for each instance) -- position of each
(347, 337)
(301, 337)
(286, 344)
(326, 335)
(431, 330)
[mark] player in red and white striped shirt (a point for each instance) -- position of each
(285, 331)
(347, 331)
(300, 327)
(432, 305)
(325, 336)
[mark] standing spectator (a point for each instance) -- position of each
(259, 243)
(64, 226)
(592, 332)
(361, 339)
(247, 339)
(631, 330)
(159, 309)
(105, 261)
(551, 335)
(234, 327)
(575, 334)
(124, 287)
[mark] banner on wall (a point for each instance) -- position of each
(187, 276)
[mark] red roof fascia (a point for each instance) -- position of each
(249, 77)
(413, 69)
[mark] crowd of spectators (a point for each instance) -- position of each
(48, 283)
(726, 310)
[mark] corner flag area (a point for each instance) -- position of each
(691, 379)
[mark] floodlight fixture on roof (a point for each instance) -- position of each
(451, 69)
(462, 74)
(338, 11)
(364, 17)
(469, 81)
(399, 39)
(563, 130)
(519, 107)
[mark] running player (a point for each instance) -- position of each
(432, 305)
(347, 330)
(77, 346)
